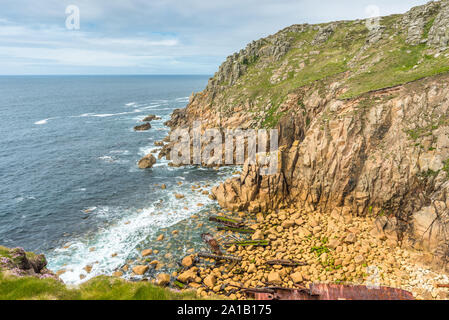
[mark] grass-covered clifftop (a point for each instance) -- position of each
(18, 281)
(99, 288)
(354, 56)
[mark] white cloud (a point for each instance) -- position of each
(189, 36)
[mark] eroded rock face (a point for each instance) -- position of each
(415, 21)
(382, 154)
(439, 32)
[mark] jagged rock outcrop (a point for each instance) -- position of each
(439, 32)
(17, 262)
(384, 153)
(416, 19)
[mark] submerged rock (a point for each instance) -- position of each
(151, 117)
(143, 127)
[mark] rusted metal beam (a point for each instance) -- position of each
(335, 292)
(218, 258)
(213, 244)
(286, 263)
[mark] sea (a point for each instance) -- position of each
(70, 185)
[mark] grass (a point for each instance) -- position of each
(344, 57)
(99, 288)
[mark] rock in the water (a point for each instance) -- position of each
(147, 252)
(147, 162)
(140, 270)
(187, 261)
(143, 127)
(151, 117)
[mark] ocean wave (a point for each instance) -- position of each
(44, 121)
(113, 245)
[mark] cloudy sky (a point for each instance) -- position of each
(154, 36)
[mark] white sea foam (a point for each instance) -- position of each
(106, 158)
(44, 121)
(131, 228)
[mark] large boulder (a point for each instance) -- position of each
(140, 270)
(147, 162)
(143, 127)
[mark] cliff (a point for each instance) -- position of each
(362, 112)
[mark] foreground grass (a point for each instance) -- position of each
(99, 288)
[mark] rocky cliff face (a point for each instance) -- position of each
(362, 112)
(17, 262)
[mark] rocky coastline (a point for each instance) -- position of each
(361, 192)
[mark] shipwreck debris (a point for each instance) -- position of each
(230, 222)
(286, 263)
(330, 292)
(218, 257)
(213, 244)
(236, 229)
(249, 243)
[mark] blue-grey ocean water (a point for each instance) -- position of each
(70, 186)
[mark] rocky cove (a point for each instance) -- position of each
(362, 178)
(360, 194)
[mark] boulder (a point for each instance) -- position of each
(187, 276)
(140, 270)
(143, 127)
(258, 235)
(252, 268)
(163, 279)
(350, 238)
(274, 278)
(147, 252)
(187, 261)
(147, 162)
(210, 281)
(297, 277)
(151, 117)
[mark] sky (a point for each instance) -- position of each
(154, 36)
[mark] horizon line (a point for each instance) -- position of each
(106, 74)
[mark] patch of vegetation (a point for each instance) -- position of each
(319, 250)
(446, 167)
(427, 27)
